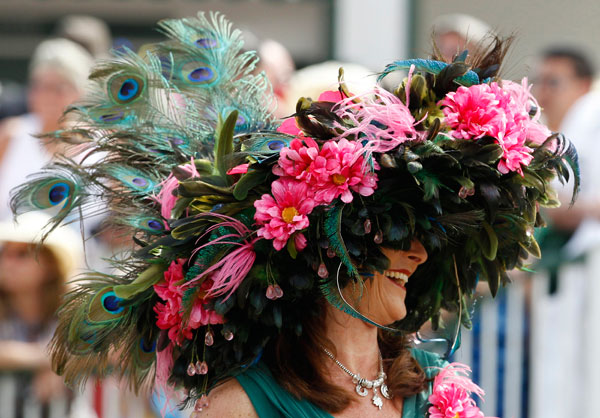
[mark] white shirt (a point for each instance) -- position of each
(25, 155)
(581, 125)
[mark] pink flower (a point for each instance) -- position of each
(285, 212)
(331, 96)
(501, 113)
(289, 127)
(342, 168)
(383, 119)
(335, 170)
(473, 112)
(521, 93)
(202, 316)
(238, 169)
(170, 314)
(295, 161)
(515, 156)
(451, 395)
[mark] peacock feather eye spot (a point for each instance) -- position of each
(125, 88)
(139, 181)
(128, 89)
(111, 303)
(206, 43)
(155, 225)
(58, 193)
(201, 74)
(275, 145)
(198, 73)
(147, 346)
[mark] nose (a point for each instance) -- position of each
(417, 252)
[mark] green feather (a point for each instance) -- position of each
(468, 78)
(332, 227)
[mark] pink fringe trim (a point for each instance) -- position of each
(229, 272)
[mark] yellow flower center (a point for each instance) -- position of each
(338, 179)
(457, 416)
(288, 214)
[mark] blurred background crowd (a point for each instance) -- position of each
(532, 348)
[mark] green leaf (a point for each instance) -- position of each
(249, 180)
(532, 247)
(147, 278)
(224, 142)
(492, 274)
(489, 241)
(193, 227)
(291, 248)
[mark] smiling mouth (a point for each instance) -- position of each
(399, 277)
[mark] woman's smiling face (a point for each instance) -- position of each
(383, 296)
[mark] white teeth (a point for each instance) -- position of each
(401, 277)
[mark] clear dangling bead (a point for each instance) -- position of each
(465, 192)
(330, 252)
(228, 335)
(191, 370)
(378, 238)
(278, 291)
(201, 403)
(271, 292)
(209, 339)
(367, 226)
(322, 272)
(201, 368)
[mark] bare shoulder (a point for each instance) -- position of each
(229, 400)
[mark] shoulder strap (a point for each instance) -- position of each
(272, 401)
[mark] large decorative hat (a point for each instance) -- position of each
(242, 224)
(64, 243)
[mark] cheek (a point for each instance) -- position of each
(385, 300)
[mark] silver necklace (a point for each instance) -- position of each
(363, 385)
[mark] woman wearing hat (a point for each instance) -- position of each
(281, 265)
(32, 281)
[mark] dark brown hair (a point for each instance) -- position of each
(298, 364)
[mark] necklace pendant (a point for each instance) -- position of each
(361, 391)
(385, 392)
(377, 401)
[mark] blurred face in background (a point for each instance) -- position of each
(50, 93)
(24, 268)
(449, 44)
(557, 87)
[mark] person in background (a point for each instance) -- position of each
(457, 31)
(563, 85)
(57, 74)
(32, 281)
(88, 31)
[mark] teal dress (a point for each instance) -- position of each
(272, 401)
